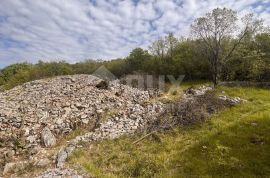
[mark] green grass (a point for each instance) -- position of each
(232, 143)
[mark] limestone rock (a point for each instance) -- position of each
(233, 100)
(15, 167)
(63, 154)
(42, 162)
(198, 91)
(57, 173)
(47, 137)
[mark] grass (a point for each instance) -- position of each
(232, 143)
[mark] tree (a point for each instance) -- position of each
(158, 48)
(9, 71)
(171, 43)
(136, 58)
(214, 30)
(263, 45)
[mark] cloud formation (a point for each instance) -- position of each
(75, 30)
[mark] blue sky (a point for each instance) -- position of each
(74, 30)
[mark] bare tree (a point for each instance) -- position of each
(214, 30)
(158, 48)
(171, 43)
(164, 46)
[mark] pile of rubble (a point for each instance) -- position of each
(197, 91)
(202, 90)
(114, 127)
(35, 114)
(233, 100)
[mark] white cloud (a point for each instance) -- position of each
(76, 30)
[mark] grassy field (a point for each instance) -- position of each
(232, 143)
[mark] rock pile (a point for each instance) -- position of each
(35, 114)
(233, 100)
(114, 127)
(197, 91)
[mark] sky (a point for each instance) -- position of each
(75, 30)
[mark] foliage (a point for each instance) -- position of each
(136, 58)
(218, 27)
(16, 74)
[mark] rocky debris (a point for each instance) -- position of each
(9, 154)
(35, 114)
(61, 173)
(42, 162)
(38, 112)
(39, 159)
(114, 128)
(233, 100)
(15, 167)
(63, 154)
(204, 89)
(47, 137)
(198, 91)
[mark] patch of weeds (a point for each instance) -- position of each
(142, 167)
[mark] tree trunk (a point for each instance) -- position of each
(215, 81)
(215, 71)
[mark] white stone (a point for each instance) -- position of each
(47, 137)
